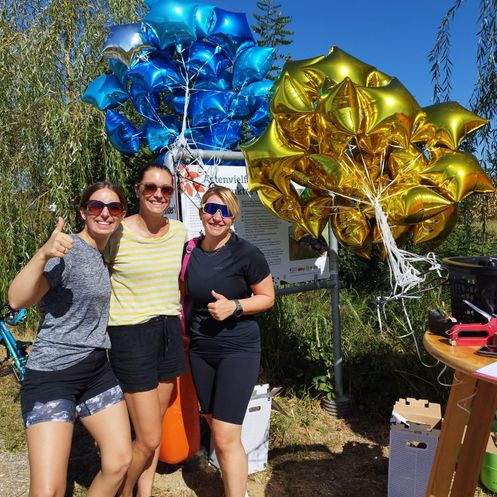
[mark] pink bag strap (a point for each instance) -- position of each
(188, 252)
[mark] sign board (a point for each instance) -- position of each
(290, 261)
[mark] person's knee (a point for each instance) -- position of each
(148, 443)
(116, 463)
(226, 440)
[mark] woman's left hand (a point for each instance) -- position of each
(222, 308)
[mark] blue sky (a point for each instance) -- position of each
(393, 35)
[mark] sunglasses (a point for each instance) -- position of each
(95, 208)
(211, 208)
(151, 188)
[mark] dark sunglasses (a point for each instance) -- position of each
(151, 188)
(211, 208)
(95, 208)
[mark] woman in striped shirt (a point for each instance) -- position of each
(147, 354)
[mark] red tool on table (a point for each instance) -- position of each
(474, 333)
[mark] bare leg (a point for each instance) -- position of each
(145, 412)
(231, 456)
(49, 446)
(146, 480)
(110, 429)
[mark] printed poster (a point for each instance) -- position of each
(290, 261)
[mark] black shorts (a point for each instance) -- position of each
(224, 385)
(82, 389)
(144, 354)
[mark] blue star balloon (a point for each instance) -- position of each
(105, 92)
(161, 133)
(205, 20)
(250, 99)
(205, 61)
(156, 75)
(223, 135)
(170, 22)
(122, 134)
(252, 65)
(231, 32)
(209, 107)
(145, 102)
(120, 70)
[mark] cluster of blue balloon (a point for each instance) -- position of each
(189, 70)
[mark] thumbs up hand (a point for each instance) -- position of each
(59, 243)
(222, 308)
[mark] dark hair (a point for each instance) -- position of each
(100, 185)
(153, 164)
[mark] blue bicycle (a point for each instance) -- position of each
(15, 353)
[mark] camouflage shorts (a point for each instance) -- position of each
(80, 390)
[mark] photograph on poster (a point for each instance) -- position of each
(290, 261)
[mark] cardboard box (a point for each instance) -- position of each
(255, 430)
(414, 432)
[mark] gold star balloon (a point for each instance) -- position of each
(346, 139)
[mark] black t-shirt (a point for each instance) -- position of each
(229, 271)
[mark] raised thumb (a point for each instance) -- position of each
(217, 296)
(60, 225)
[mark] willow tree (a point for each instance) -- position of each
(483, 100)
(51, 144)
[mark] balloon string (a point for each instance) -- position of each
(406, 276)
(371, 183)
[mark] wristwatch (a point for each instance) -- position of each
(238, 309)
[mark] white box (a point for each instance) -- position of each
(413, 443)
(255, 430)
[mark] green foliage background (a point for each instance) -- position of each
(52, 145)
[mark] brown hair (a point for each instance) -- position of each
(227, 196)
(153, 164)
(100, 185)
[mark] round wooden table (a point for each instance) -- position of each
(453, 464)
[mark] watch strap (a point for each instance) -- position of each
(238, 308)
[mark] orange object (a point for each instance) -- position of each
(181, 423)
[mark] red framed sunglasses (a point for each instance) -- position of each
(95, 208)
(151, 188)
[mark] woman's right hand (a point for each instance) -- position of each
(59, 243)
(30, 284)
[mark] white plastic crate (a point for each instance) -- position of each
(413, 443)
(255, 430)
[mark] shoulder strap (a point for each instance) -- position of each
(188, 252)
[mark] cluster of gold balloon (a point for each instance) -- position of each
(347, 141)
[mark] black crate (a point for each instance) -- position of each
(473, 279)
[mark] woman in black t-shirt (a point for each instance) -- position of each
(228, 281)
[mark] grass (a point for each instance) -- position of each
(11, 429)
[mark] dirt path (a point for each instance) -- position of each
(311, 454)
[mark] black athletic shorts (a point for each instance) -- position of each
(224, 385)
(82, 389)
(144, 354)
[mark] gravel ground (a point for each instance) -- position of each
(14, 474)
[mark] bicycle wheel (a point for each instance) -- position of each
(7, 365)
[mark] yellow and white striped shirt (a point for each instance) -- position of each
(144, 274)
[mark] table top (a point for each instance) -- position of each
(458, 357)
